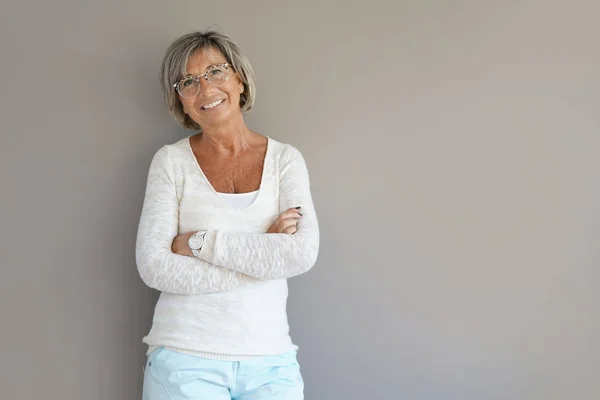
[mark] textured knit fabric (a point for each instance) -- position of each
(230, 302)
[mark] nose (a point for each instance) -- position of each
(206, 88)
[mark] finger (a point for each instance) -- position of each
(290, 230)
(286, 223)
(291, 213)
(292, 220)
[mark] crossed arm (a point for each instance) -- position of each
(228, 260)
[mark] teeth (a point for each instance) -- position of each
(213, 104)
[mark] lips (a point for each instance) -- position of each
(212, 104)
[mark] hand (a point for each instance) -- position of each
(287, 222)
(181, 246)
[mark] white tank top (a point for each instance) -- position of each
(239, 200)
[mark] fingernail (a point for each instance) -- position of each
(297, 208)
(301, 214)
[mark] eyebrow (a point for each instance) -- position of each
(207, 68)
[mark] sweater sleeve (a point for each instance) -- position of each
(158, 266)
(269, 255)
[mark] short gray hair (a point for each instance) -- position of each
(174, 64)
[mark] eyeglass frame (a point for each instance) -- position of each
(204, 75)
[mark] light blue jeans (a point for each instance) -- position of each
(170, 375)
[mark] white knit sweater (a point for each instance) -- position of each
(230, 302)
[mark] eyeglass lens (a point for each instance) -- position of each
(190, 86)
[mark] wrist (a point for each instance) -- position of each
(196, 242)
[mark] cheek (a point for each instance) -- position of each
(187, 106)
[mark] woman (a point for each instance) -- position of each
(227, 218)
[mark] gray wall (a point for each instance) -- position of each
(453, 151)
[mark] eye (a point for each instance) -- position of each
(215, 72)
(187, 82)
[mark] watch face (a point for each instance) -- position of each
(196, 242)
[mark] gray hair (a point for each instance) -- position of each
(174, 64)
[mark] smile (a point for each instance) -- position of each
(212, 105)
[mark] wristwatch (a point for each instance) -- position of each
(196, 242)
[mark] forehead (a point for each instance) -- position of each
(202, 59)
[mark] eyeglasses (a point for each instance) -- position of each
(189, 86)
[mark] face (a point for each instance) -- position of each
(212, 105)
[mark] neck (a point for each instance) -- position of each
(229, 138)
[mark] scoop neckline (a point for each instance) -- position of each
(238, 194)
(218, 194)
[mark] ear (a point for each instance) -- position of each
(239, 83)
